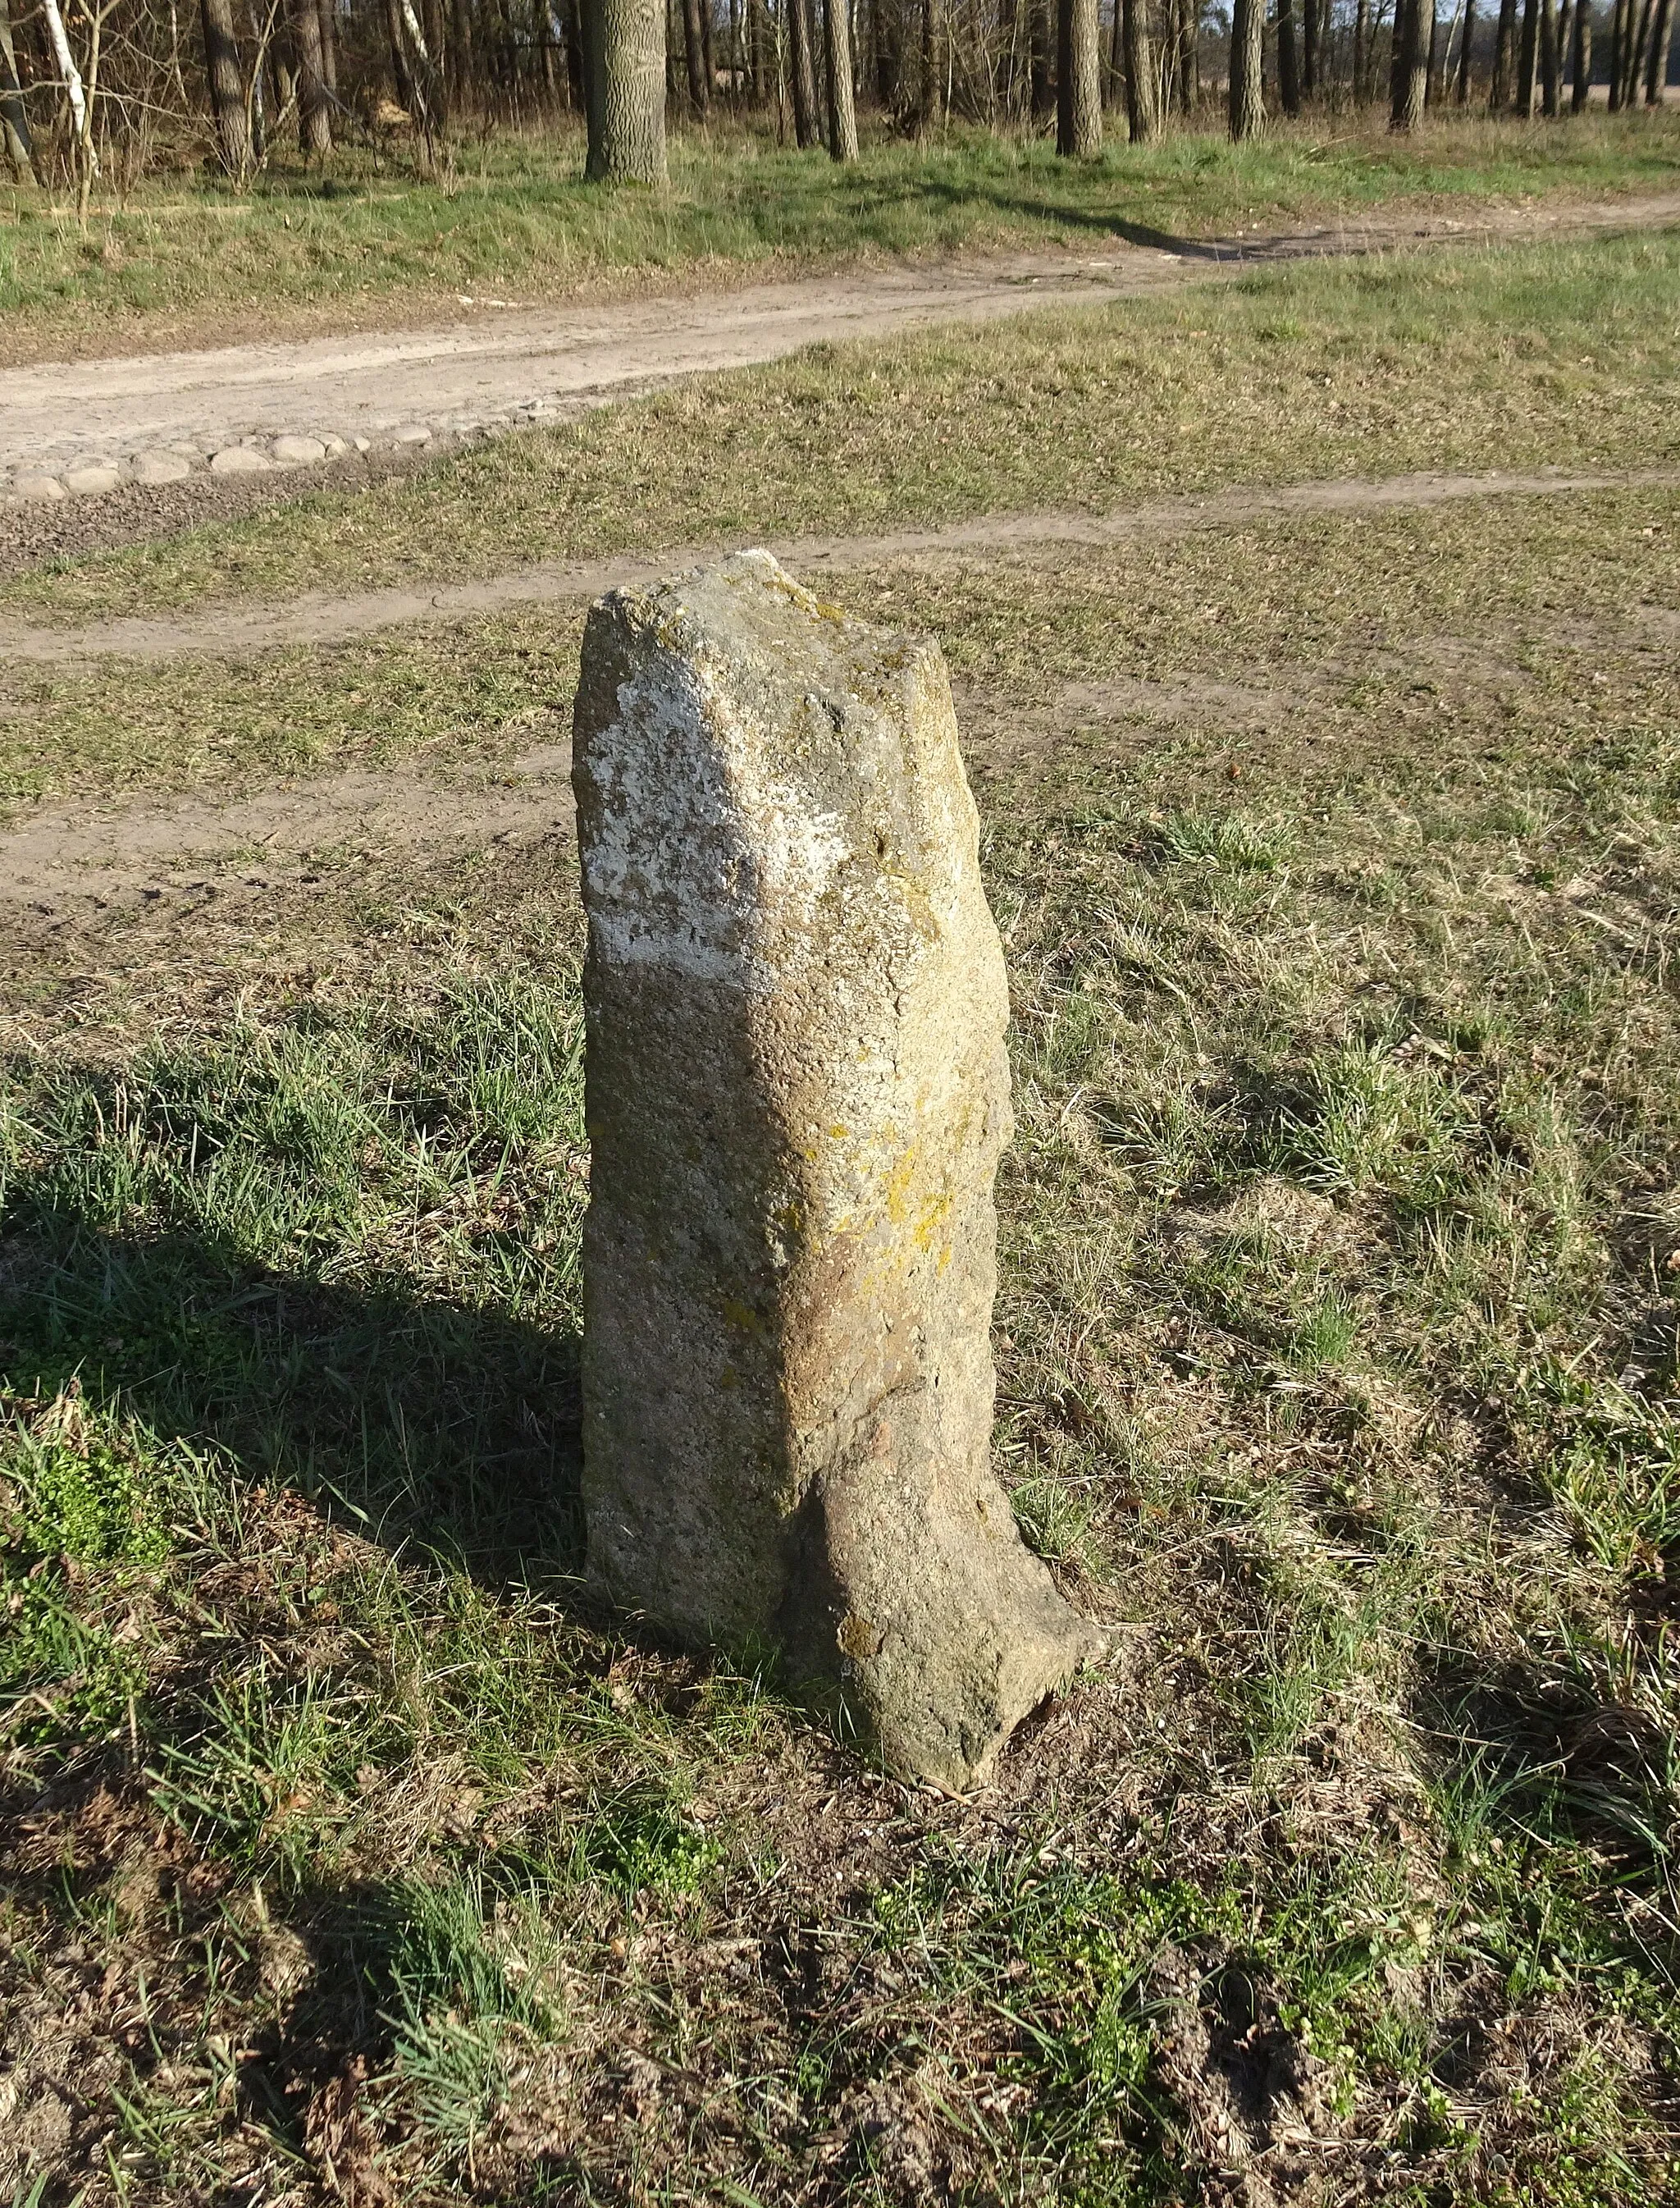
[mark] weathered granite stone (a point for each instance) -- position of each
(239, 461)
(797, 1094)
(160, 467)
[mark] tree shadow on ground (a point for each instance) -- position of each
(1040, 207)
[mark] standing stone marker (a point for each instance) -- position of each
(797, 1095)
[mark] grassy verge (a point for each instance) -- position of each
(1337, 1342)
(1319, 613)
(1514, 358)
(183, 255)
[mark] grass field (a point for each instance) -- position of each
(350, 1855)
(184, 258)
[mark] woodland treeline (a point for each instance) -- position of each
(103, 88)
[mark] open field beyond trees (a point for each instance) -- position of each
(350, 1855)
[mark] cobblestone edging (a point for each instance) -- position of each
(93, 473)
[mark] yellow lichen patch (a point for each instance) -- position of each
(743, 1318)
(933, 1216)
(857, 1637)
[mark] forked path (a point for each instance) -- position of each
(179, 850)
(497, 364)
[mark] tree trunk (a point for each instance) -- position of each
(625, 81)
(402, 79)
(1041, 90)
(1409, 83)
(1467, 40)
(314, 126)
(1656, 70)
(70, 77)
(1361, 51)
(1078, 80)
(1500, 88)
(1190, 71)
(1581, 64)
(1288, 68)
(1636, 52)
(1310, 19)
(329, 47)
(802, 69)
(888, 58)
(425, 78)
(842, 107)
(227, 89)
(460, 44)
(1549, 54)
(14, 114)
(1528, 59)
(256, 108)
(1141, 115)
(693, 46)
(930, 107)
(1247, 105)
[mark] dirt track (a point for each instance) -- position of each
(234, 632)
(496, 368)
(173, 851)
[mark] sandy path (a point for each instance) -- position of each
(328, 618)
(494, 363)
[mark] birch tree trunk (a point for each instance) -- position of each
(842, 105)
(426, 73)
(1078, 80)
(87, 159)
(627, 90)
(1247, 105)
